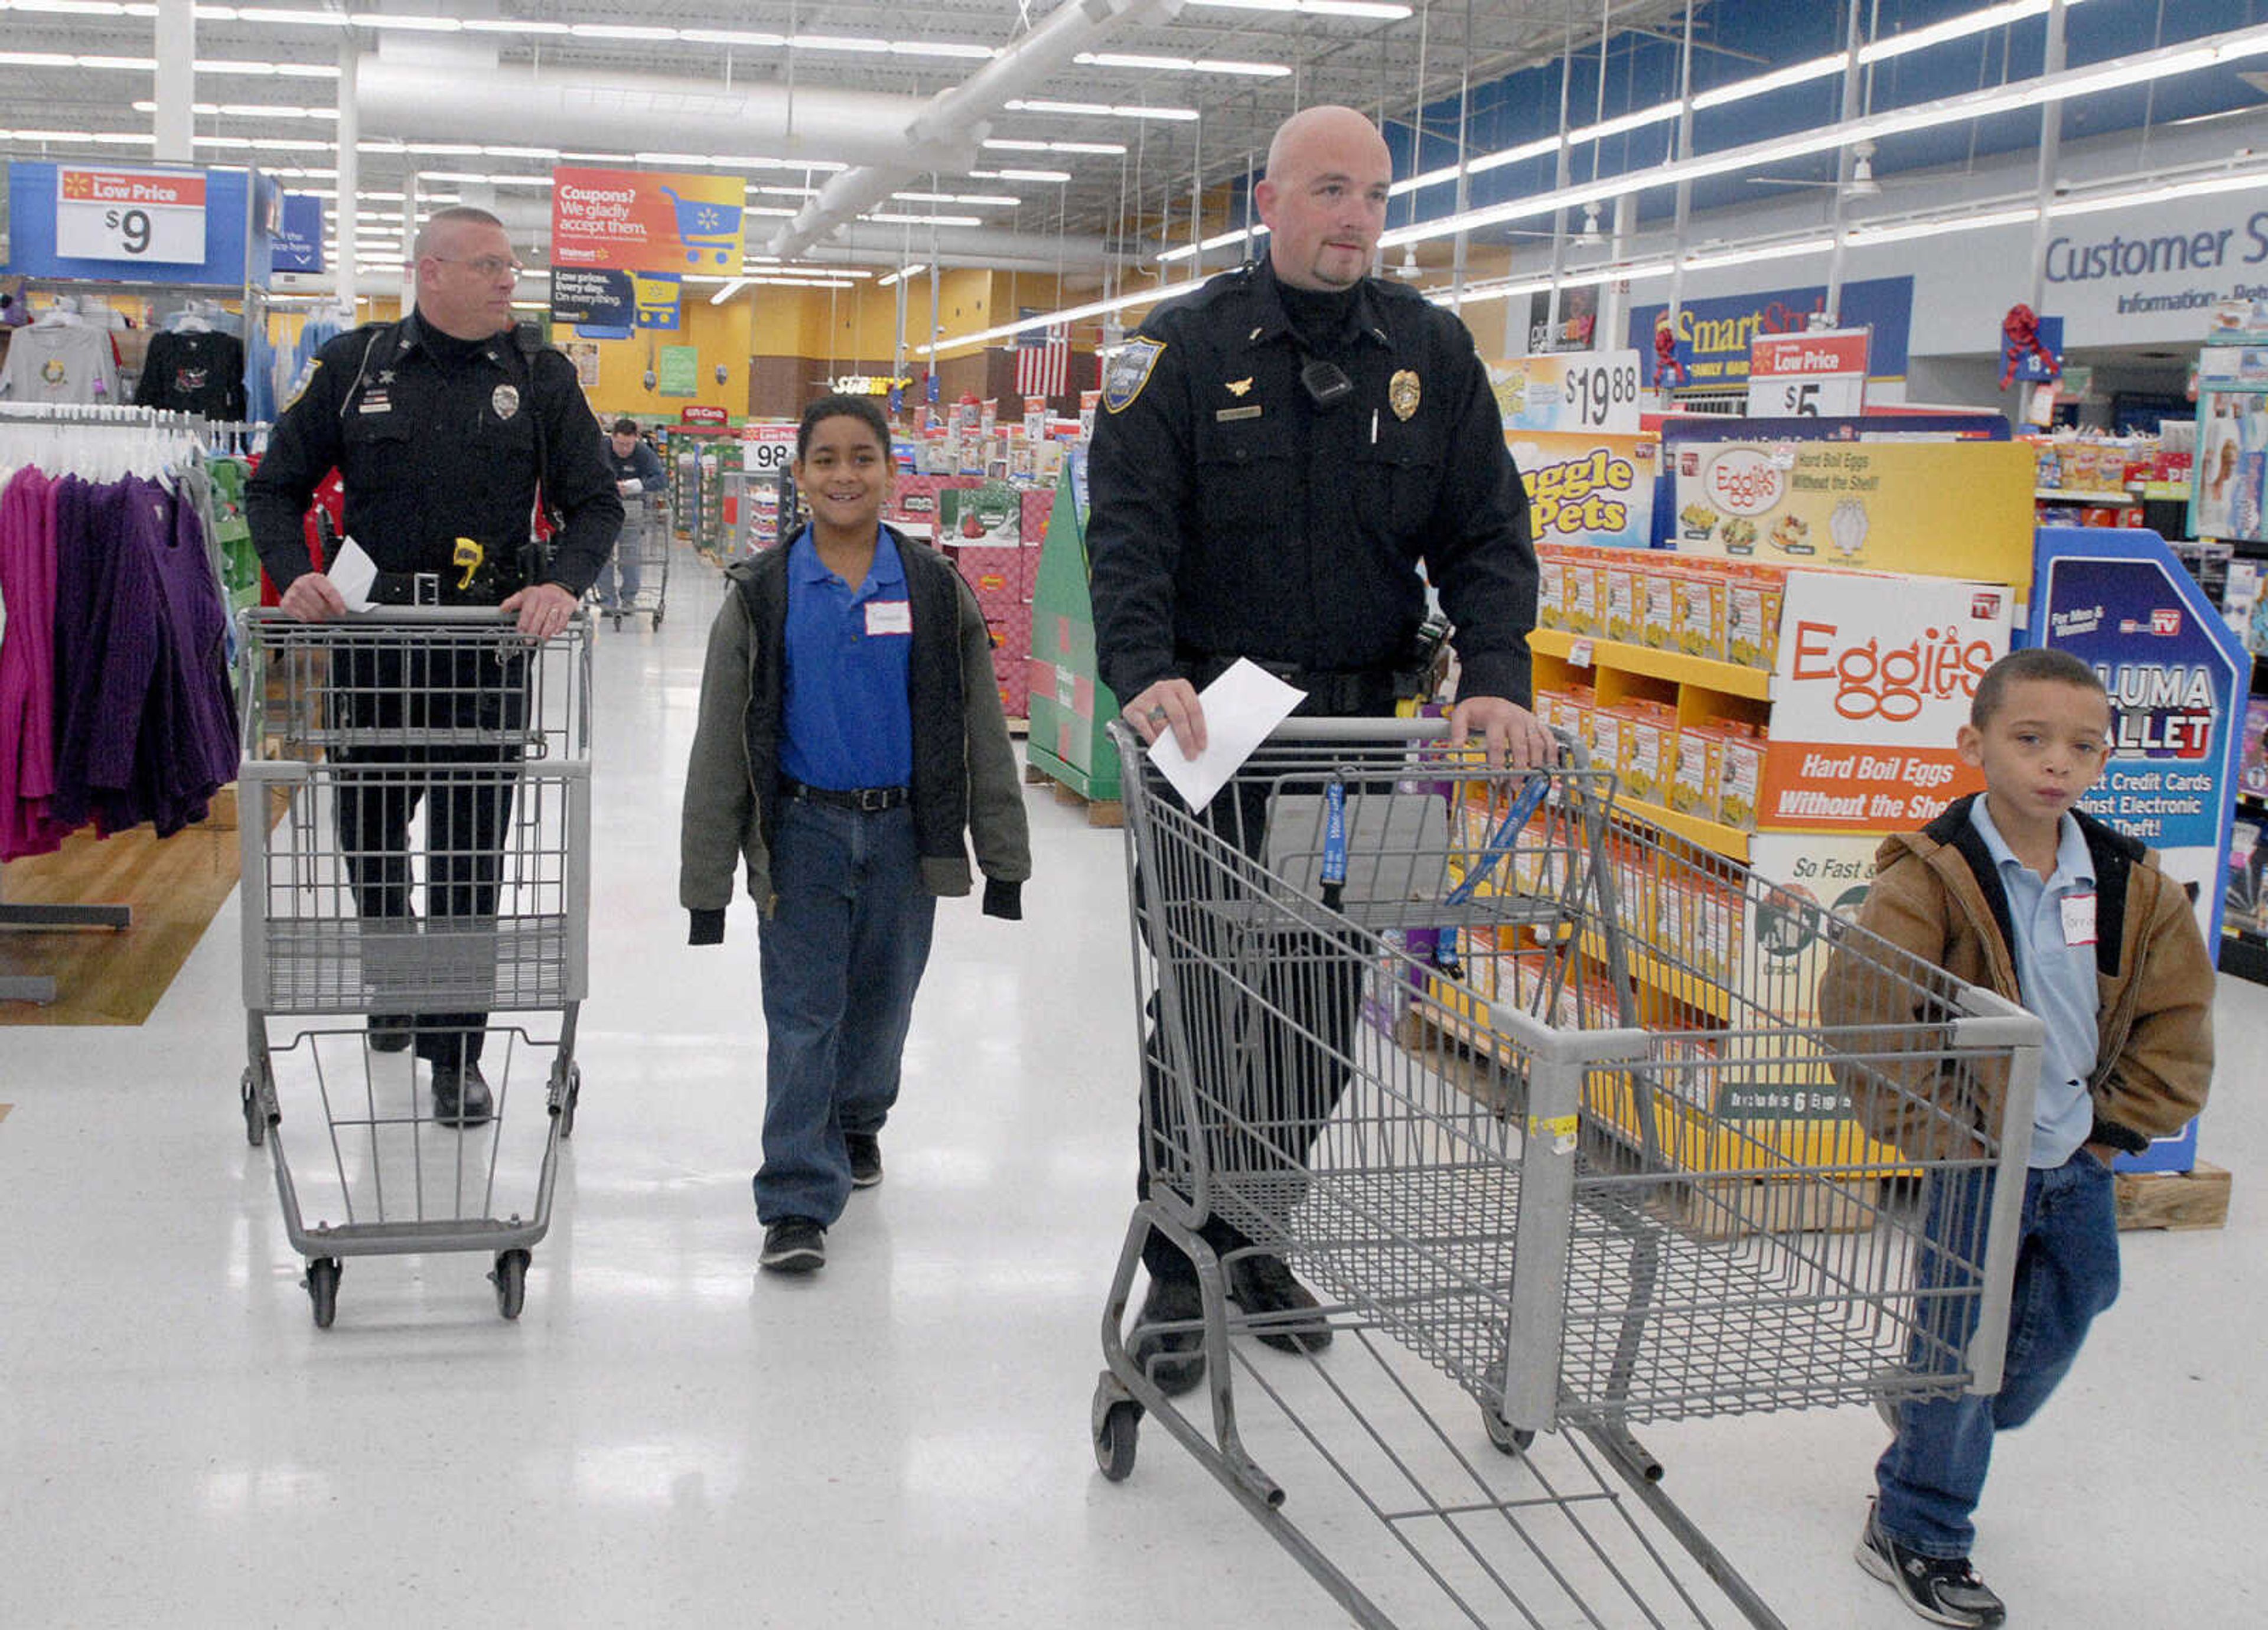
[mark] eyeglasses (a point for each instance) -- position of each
(487, 265)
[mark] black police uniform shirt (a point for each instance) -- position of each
(436, 438)
(1233, 516)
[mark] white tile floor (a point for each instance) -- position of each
(665, 1436)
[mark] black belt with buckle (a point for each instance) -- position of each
(865, 800)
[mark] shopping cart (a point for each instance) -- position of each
(703, 226)
(487, 735)
(645, 534)
(1632, 1194)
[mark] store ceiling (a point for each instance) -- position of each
(1124, 200)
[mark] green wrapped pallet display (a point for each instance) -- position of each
(1068, 704)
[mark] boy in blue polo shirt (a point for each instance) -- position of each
(2015, 889)
(851, 743)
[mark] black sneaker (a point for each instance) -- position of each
(794, 1245)
(1261, 1285)
(1174, 1360)
(1944, 1590)
(391, 1032)
(460, 1096)
(866, 1151)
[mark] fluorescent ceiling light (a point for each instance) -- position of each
(1901, 232)
(1377, 9)
(956, 198)
(905, 276)
(1020, 175)
(1101, 110)
(277, 14)
(942, 48)
(1206, 246)
(1179, 64)
(2234, 46)
(1779, 79)
(837, 42)
(406, 21)
(730, 36)
(1624, 123)
(889, 218)
(511, 25)
(619, 31)
(1002, 144)
(1708, 260)
(796, 283)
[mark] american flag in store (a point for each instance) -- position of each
(1042, 361)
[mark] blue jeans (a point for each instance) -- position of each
(1932, 1474)
(842, 959)
(627, 562)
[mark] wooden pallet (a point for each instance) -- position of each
(2173, 1200)
(1100, 811)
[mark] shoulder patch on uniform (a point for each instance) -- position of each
(314, 366)
(1129, 371)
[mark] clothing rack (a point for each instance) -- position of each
(173, 439)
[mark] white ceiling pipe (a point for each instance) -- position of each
(958, 119)
(584, 110)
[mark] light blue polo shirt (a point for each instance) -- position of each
(845, 716)
(2057, 981)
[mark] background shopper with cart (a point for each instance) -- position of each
(445, 426)
(1277, 454)
(851, 742)
(2017, 890)
(641, 485)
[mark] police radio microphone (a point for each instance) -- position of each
(1325, 383)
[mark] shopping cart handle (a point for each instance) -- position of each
(1572, 754)
(407, 616)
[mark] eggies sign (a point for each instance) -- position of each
(1588, 489)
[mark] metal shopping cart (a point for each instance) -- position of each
(1634, 1195)
(645, 535)
(348, 726)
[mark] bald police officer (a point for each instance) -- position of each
(1277, 454)
(442, 426)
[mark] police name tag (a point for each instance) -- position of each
(889, 616)
(2077, 919)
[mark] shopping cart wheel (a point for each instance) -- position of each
(657, 616)
(255, 1124)
(510, 1279)
(322, 1283)
(1115, 1440)
(1509, 1439)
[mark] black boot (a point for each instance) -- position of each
(460, 1096)
(1262, 1286)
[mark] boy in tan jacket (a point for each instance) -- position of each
(2016, 889)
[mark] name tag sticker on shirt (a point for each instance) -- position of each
(2079, 920)
(896, 616)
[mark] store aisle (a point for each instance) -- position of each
(667, 1437)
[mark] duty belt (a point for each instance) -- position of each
(1332, 692)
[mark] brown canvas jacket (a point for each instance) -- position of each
(1937, 895)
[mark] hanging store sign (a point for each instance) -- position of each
(147, 216)
(1714, 333)
(587, 298)
(299, 236)
(657, 295)
(643, 220)
(680, 370)
(1808, 376)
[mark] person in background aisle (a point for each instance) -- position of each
(2017, 890)
(638, 483)
(1277, 453)
(850, 733)
(445, 427)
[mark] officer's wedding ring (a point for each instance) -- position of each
(1157, 715)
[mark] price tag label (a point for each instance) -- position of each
(1601, 392)
(768, 449)
(154, 216)
(1578, 654)
(1808, 376)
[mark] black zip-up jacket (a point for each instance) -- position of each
(1233, 517)
(964, 771)
(431, 450)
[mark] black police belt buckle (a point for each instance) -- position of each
(424, 588)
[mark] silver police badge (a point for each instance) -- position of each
(1129, 371)
(505, 401)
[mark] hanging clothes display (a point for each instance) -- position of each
(115, 701)
(193, 370)
(60, 362)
